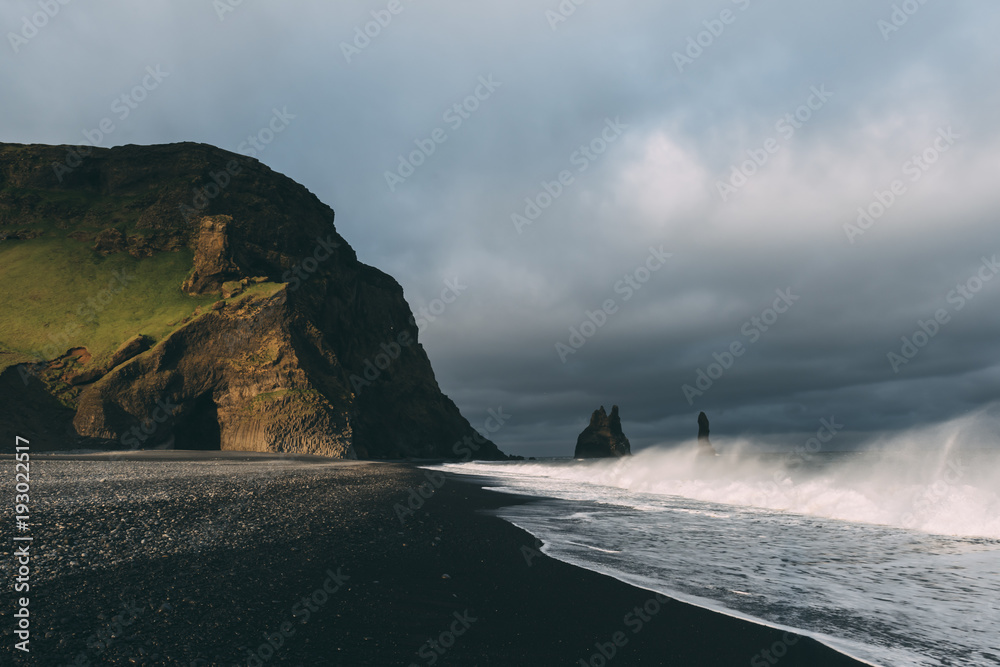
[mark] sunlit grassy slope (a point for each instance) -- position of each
(57, 293)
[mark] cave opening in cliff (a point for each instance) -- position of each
(199, 427)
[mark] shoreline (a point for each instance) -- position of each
(667, 635)
(327, 562)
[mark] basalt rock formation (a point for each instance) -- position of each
(603, 437)
(248, 322)
(705, 447)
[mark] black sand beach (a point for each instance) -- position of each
(191, 563)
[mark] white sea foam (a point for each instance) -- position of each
(943, 479)
(891, 555)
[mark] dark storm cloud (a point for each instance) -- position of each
(656, 184)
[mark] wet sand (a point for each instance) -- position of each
(193, 558)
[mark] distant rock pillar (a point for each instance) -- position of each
(704, 444)
(603, 438)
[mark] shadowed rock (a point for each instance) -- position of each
(305, 350)
(133, 347)
(704, 444)
(603, 438)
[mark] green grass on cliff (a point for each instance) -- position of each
(56, 293)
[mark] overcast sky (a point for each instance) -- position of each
(666, 97)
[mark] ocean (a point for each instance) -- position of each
(891, 555)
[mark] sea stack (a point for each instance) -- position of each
(705, 447)
(603, 438)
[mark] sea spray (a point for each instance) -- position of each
(890, 555)
(922, 479)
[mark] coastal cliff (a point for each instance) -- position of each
(181, 295)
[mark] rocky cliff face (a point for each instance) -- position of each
(603, 437)
(291, 343)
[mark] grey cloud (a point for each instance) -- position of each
(657, 185)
